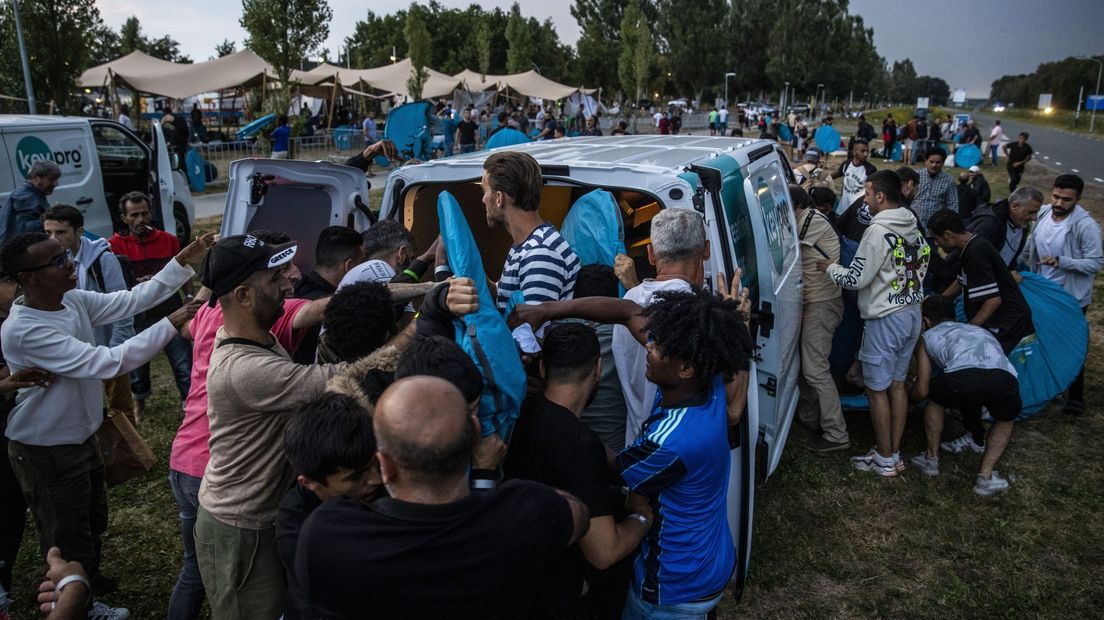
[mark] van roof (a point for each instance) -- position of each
(649, 153)
(16, 120)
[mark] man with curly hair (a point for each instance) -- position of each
(698, 351)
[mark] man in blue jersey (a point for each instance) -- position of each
(540, 264)
(698, 355)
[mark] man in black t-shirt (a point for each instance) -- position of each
(1019, 153)
(991, 299)
(435, 548)
(466, 131)
(553, 446)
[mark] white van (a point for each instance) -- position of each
(100, 160)
(738, 186)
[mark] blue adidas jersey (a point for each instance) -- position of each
(681, 463)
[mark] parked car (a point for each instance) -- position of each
(100, 160)
(738, 186)
(801, 108)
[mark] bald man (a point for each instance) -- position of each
(434, 548)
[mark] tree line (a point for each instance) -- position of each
(1062, 78)
(631, 49)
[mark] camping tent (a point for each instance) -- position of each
(390, 79)
(153, 76)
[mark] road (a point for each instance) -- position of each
(1059, 150)
(208, 205)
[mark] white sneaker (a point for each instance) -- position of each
(990, 486)
(962, 444)
(927, 466)
(100, 611)
(876, 463)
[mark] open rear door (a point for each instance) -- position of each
(299, 198)
(777, 284)
(161, 171)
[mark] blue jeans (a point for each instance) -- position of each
(993, 152)
(179, 352)
(188, 594)
(467, 148)
(637, 609)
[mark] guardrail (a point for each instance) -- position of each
(335, 145)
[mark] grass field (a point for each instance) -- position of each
(828, 541)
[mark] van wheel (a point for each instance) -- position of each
(183, 228)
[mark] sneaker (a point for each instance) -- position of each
(962, 444)
(99, 611)
(990, 486)
(929, 466)
(1074, 407)
(822, 445)
(876, 463)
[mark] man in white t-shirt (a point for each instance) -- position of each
(854, 172)
(658, 116)
(996, 137)
(678, 250)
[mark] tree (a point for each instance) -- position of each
(166, 48)
(637, 53)
(598, 46)
(483, 47)
(226, 48)
(131, 39)
(283, 32)
(130, 36)
(934, 88)
(60, 36)
(105, 45)
(519, 54)
(419, 43)
(691, 30)
(902, 82)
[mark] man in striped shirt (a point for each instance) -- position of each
(541, 265)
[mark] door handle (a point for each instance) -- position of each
(84, 201)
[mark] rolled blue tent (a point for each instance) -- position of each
(967, 155)
(593, 228)
(827, 139)
(506, 137)
(784, 133)
(197, 170)
(483, 334)
(408, 127)
(256, 127)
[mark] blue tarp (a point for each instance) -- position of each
(593, 228)
(827, 139)
(483, 334)
(256, 127)
(506, 137)
(408, 126)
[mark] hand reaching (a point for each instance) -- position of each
(194, 251)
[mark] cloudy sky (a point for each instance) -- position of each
(969, 43)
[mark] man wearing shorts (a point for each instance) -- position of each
(888, 271)
(975, 374)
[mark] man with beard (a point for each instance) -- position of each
(28, 203)
(541, 265)
(552, 445)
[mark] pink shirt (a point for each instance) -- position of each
(189, 450)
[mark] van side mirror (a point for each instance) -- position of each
(174, 161)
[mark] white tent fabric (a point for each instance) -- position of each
(530, 84)
(388, 78)
(135, 63)
(153, 76)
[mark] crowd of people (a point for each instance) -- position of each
(331, 461)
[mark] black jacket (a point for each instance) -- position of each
(991, 224)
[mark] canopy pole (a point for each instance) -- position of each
(330, 109)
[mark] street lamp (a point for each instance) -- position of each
(782, 99)
(727, 75)
(1096, 97)
(31, 108)
(817, 102)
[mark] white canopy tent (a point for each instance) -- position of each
(530, 84)
(390, 79)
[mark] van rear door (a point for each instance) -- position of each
(161, 169)
(757, 229)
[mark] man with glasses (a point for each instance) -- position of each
(51, 432)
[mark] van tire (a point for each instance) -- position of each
(183, 227)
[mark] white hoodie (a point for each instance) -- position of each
(889, 266)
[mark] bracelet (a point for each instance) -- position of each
(70, 579)
(483, 483)
(639, 517)
(417, 278)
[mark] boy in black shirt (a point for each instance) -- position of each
(990, 297)
(553, 446)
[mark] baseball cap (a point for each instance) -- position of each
(233, 259)
(975, 169)
(812, 154)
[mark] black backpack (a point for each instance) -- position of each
(124, 265)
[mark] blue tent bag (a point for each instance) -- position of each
(483, 334)
(506, 137)
(784, 133)
(197, 170)
(898, 152)
(827, 139)
(1047, 362)
(408, 127)
(967, 155)
(593, 228)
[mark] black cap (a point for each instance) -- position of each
(233, 259)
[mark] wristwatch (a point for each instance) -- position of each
(639, 517)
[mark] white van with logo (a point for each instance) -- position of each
(100, 160)
(738, 187)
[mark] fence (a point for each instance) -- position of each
(335, 145)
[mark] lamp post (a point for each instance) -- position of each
(727, 75)
(817, 102)
(31, 107)
(1096, 97)
(782, 99)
